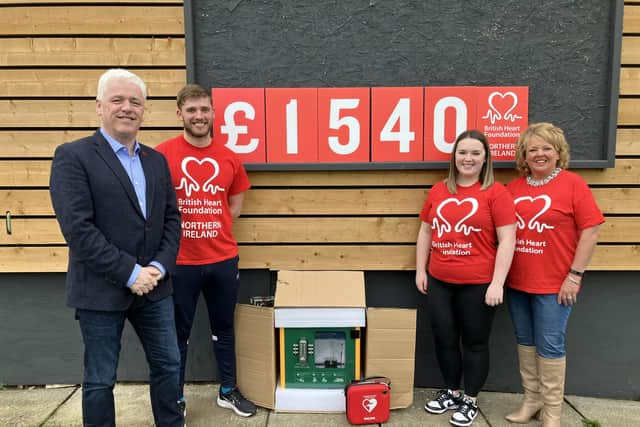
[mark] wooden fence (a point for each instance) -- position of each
(51, 55)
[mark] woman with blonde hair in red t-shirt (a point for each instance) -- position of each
(466, 239)
(557, 230)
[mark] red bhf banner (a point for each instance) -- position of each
(365, 125)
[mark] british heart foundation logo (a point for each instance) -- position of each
(369, 404)
(533, 208)
(198, 175)
(502, 115)
(462, 209)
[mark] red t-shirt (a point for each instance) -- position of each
(550, 218)
(463, 231)
(204, 178)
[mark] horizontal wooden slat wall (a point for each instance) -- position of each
(363, 220)
(52, 53)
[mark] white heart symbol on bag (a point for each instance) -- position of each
(369, 404)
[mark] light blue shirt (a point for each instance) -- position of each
(133, 168)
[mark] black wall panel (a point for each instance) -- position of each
(566, 51)
(41, 342)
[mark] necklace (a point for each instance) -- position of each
(539, 182)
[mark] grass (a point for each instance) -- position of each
(591, 423)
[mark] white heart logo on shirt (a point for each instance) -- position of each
(533, 223)
(444, 226)
(189, 183)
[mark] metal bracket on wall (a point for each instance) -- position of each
(8, 221)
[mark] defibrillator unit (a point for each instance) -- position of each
(327, 357)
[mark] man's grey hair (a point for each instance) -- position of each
(119, 74)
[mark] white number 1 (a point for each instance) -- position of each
(292, 127)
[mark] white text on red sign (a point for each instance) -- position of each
(365, 125)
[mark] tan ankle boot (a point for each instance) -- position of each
(551, 373)
(531, 402)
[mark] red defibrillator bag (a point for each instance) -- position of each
(367, 400)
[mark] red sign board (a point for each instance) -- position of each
(238, 122)
(343, 125)
(396, 124)
(332, 125)
(502, 116)
(448, 111)
(292, 125)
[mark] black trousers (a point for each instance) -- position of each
(219, 283)
(461, 324)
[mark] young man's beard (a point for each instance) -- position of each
(196, 132)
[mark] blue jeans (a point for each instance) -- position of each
(102, 332)
(219, 283)
(539, 321)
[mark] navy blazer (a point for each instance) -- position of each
(100, 218)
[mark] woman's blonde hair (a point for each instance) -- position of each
(550, 134)
(486, 173)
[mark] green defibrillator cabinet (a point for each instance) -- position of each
(319, 357)
(319, 316)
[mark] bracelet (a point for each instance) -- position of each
(574, 281)
(576, 272)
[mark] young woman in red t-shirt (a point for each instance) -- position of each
(557, 230)
(466, 239)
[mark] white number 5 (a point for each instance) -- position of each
(336, 122)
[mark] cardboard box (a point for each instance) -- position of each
(319, 299)
(390, 350)
(323, 296)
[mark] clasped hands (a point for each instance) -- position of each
(147, 280)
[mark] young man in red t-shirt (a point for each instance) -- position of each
(210, 182)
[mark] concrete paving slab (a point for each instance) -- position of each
(283, 419)
(608, 412)
(133, 408)
(202, 410)
(30, 407)
(415, 415)
(496, 405)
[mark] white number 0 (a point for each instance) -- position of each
(438, 121)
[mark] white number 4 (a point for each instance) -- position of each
(400, 116)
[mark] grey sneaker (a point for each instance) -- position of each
(182, 407)
(236, 401)
(465, 414)
(444, 400)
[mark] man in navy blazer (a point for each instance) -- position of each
(116, 207)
